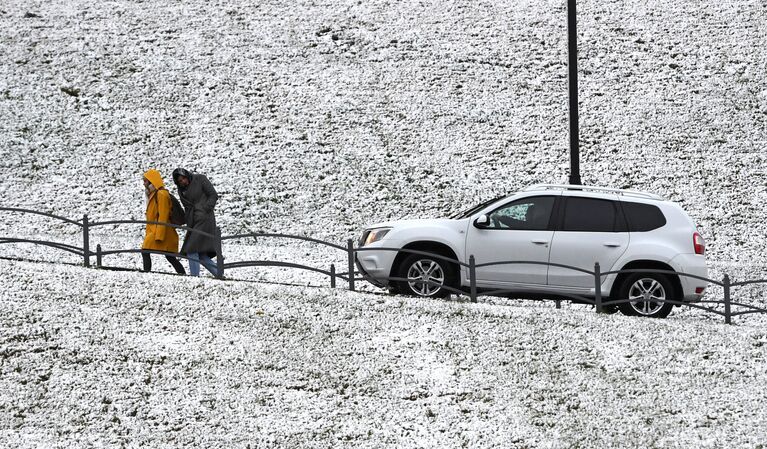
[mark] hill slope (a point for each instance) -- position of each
(319, 117)
(96, 358)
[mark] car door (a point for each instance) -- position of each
(517, 231)
(591, 230)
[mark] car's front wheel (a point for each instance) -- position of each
(648, 293)
(426, 276)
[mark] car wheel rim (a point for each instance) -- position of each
(425, 277)
(647, 296)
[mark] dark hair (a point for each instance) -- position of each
(181, 172)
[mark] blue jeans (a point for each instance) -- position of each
(194, 264)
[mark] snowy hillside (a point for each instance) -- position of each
(319, 117)
(92, 358)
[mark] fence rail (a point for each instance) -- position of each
(56, 245)
(350, 277)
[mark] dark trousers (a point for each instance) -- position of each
(146, 258)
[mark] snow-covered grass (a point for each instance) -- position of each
(317, 118)
(93, 358)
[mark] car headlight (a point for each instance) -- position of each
(373, 235)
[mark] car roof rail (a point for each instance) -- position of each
(594, 189)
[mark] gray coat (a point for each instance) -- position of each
(199, 199)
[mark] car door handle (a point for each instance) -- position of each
(612, 244)
(541, 242)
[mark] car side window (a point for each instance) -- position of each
(590, 215)
(527, 214)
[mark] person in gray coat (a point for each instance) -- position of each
(198, 198)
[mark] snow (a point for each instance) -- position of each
(104, 358)
(318, 118)
(335, 368)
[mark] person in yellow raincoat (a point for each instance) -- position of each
(158, 208)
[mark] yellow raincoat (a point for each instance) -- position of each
(158, 237)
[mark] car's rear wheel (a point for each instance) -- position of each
(426, 276)
(648, 293)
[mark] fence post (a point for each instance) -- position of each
(472, 279)
(332, 276)
(86, 243)
(350, 250)
(597, 287)
(726, 286)
(219, 255)
(98, 256)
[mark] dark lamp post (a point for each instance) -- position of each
(572, 64)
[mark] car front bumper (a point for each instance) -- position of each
(375, 264)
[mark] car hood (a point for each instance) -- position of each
(420, 223)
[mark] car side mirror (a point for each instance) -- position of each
(482, 222)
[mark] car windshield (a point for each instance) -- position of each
(469, 212)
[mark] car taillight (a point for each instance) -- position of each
(698, 243)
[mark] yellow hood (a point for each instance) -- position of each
(155, 178)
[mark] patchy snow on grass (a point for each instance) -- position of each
(95, 358)
(318, 118)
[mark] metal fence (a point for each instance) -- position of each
(351, 276)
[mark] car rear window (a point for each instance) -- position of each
(643, 217)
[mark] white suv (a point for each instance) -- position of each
(569, 225)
